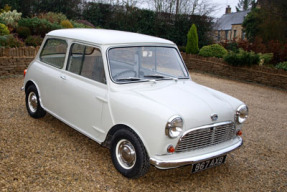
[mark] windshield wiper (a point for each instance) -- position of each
(156, 76)
(129, 79)
(160, 77)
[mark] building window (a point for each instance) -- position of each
(234, 34)
(226, 35)
(243, 35)
(218, 36)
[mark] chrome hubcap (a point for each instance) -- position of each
(126, 154)
(32, 102)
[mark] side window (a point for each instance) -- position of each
(86, 61)
(54, 52)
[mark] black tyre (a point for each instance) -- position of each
(128, 154)
(33, 103)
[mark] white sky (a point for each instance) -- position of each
(222, 4)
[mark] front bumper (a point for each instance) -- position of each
(191, 157)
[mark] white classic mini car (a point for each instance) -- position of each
(133, 94)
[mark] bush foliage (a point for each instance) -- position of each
(265, 58)
(23, 32)
(243, 58)
(4, 29)
(214, 50)
(278, 49)
(11, 18)
(53, 17)
(282, 65)
(33, 41)
(10, 41)
(38, 26)
(66, 24)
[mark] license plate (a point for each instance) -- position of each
(208, 164)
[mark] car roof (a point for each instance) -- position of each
(104, 36)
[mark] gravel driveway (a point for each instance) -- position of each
(47, 155)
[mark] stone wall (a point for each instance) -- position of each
(256, 74)
(13, 61)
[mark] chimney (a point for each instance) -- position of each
(228, 9)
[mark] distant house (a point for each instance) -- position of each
(229, 26)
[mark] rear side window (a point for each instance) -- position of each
(86, 61)
(54, 52)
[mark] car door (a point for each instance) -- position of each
(48, 73)
(84, 90)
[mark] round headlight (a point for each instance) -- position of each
(242, 113)
(174, 127)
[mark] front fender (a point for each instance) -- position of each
(146, 117)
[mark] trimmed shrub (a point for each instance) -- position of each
(282, 65)
(23, 32)
(243, 58)
(66, 24)
(38, 26)
(192, 40)
(4, 29)
(214, 50)
(33, 41)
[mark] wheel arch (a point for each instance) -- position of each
(114, 129)
(31, 82)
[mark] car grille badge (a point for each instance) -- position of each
(214, 117)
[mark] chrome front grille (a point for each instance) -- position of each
(206, 136)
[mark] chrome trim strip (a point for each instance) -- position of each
(160, 164)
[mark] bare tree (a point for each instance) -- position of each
(243, 5)
(197, 7)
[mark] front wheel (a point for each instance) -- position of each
(128, 154)
(33, 103)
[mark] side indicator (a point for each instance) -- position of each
(239, 133)
(25, 71)
(170, 149)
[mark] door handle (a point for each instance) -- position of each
(63, 77)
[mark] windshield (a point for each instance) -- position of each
(130, 64)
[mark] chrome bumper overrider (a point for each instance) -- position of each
(165, 162)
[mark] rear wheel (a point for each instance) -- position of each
(128, 154)
(33, 103)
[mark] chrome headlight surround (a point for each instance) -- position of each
(241, 114)
(174, 127)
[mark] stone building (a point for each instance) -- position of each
(229, 26)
